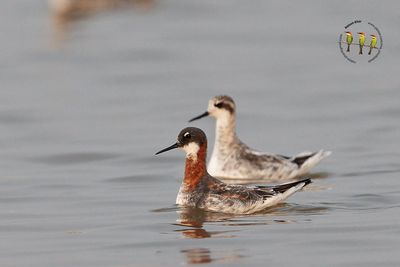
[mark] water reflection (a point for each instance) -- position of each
(282, 214)
(204, 255)
(197, 255)
(65, 12)
(195, 219)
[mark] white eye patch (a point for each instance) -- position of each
(186, 135)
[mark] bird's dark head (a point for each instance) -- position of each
(218, 107)
(192, 135)
(191, 140)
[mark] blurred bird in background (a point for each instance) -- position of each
(74, 8)
(65, 12)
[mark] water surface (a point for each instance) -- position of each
(84, 107)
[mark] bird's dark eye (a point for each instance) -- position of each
(218, 105)
(186, 135)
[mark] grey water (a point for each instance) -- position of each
(87, 100)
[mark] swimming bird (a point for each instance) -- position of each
(373, 43)
(361, 41)
(233, 159)
(349, 40)
(201, 190)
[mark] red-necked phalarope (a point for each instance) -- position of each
(235, 160)
(201, 190)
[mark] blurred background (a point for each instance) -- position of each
(90, 89)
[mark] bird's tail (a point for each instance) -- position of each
(348, 47)
(307, 160)
(284, 191)
(282, 188)
(360, 53)
(370, 50)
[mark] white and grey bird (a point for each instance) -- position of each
(233, 159)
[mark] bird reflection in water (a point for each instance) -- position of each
(204, 255)
(197, 255)
(280, 214)
(65, 12)
(193, 219)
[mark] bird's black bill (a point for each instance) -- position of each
(205, 114)
(168, 148)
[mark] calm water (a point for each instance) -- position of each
(85, 104)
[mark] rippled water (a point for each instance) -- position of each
(87, 100)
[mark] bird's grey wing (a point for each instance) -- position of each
(238, 193)
(235, 199)
(264, 160)
(252, 155)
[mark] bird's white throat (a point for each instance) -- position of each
(191, 150)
